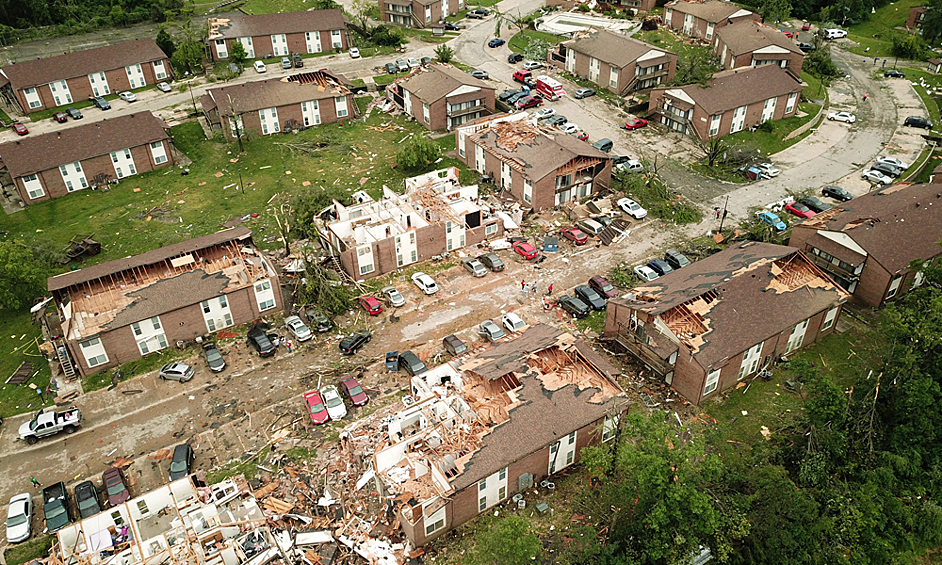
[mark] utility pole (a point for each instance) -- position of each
(242, 186)
(723, 219)
(192, 99)
(235, 121)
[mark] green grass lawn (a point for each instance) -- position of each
(275, 6)
(473, 5)
(18, 341)
(387, 78)
(876, 34)
(772, 142)
(36, 548)
(519, 42)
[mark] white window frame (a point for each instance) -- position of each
(797, 336)
(336, 39)
(248, 45)
(790, 105)
(149, 335)
(425, 113)
(270, 124)
(265, 295)
(715, 124)
(894, 287)
(160, 71)
(311, 113)
(436, 521)
(159, 152)
(609, 428)
(527, 190)
(36, 190)
(829, 318)
(340, 103)
(70, 178)
(279, 45)
(712, 380)
(62, 95)
(364, 251)
(750, 361)
(99, 84)
(222, 50)
(490, 229)
(313, 41)
(613, 77)
(97, 349)
(135, 76)
(32, 98)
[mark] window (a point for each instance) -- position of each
(33, 186)
(341, 103)
(335, 39)
(564, 180)
(613, 78)
(715, 125)
(482, 484)
(94, 352)
(264, 296)
(790, 105)
(490, 229)
(712, 379)
(159, 70)
(158, 151)
(829, 318)
(501, 493)
(503, 475)
(894, 287)
(609, 427)
(425, 113)
(435, 522)
(221, 51)
(32, 98)
(750, 361)
(527, 191)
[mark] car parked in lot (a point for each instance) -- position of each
(514, 58)
(176, 372)
(604, 145)
(590, 226)
(412, 62)
(589, 296)
(768, 170)
(569, 127)
(506, 95)
(496, 42)
(522, 75)
(20, 129)
(556, 120)
(353, 342)
(629, 167)
(846, 117)
(355, 53)
(491, 331)
(351, 387)
(836, 193)
(393, 296)
(918, 122)
(584, 93)
(632, 208)
(532, 65)
(101, 103)
(60, 117)
(574, 235)
(258, 339)
(528, 102)
(807, 47)
(259, 67)
(425, 283)
(163, 87)
(544, 113)
(473, 266)
(401, 65)
(116, 487)
(581, 135)
(127, 96)
(297, 60)
(645, 273)
(893, 161)
(20, 518)
(771, 219)
(525, 250)
(676, 259)
(887, 169)
(833, 33)
(634, 123)
(512, 322)
(318, 320)
(876, 177)
(574, 306)
(800, 210)
(86, 499)
(603, 287)
(453, 345)
(316, 408)
(371, 305)
(73, 113)
(893, 73)
(452, 26)
(298, 329)
(491, 261)
(660, 267)
(480, 75)
(390, 68)
(426, 61)
(56, 511)
(213, 357)
(479, 12)
(814, 203)
(333, 402)
(181, 463)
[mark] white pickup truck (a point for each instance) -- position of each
(50, 423)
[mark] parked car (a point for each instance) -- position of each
(163, 87)
(917, 122)
(533, 65)
(893, 73)
(768, 170)
(676, 259)
(893, 161)
(56, 511)
(581, 135)
(353, 342)
(100, 103)
(630, 166)
(836, 193)
(556, 120)
(806, 26)
(544, 113)
(426, 61)
(574, 306)
(354, 53)
(473, 266)
(411, 363)
(73, 113)
(512, 322)
(334, 403)
(660, 267)
(842, 117)
(800, 210)
(569, 127)
(20, 129)
(528, 102)
(286, 61)
(351, 387)
(176, 372)
(479, 12)
(453, 345)
(60, 117)
(876, 177)
(401, 65)
(425, 283)
(522, 75)
(316, 408)
(127, 96)
(604, 145)
(259, 340)
(632, 208)
(491, 331)
(393, 296)
(412, 62)
(514, 58)
(807, 47)
(506, 95)
(297, 60)
(259, 67)
(574, 235)
(390, 68)
(496, 42)
(86, 499)
(603, 287)
(604, 220)
(584, 93)
(645, 273)
(371, 305)
(213, 357)
(181, 463)
(452, 26)
(520, 94)
(588, 295)
(297, 328)
(814, 203)
(525, 250)
(480, 75)
(634, 123)
(492, 262)
(833, 33)
(20, 518)
(771, 219)
(887, 169)
(590, 226)
(116, 487)
(318, 320)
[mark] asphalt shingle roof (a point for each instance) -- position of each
(434, 82)
(749, 35)
(236, 25)
(740, 87)
(713, 11)
(613, 48)
(274, 92)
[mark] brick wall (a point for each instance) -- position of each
(327, 108)
(81, 89)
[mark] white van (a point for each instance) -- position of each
(590, 226)
(834, 34)
(259, 67)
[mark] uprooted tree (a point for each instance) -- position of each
(322, 287)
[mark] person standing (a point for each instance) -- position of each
(526, 291)
(523, 284)
(550, 290)
(36, 483)
(288, 343)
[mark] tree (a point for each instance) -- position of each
(417, 154)
(819, 64)
(908, 46)
(281, 212)
(237, 53)
(364, 12)
(714, 150)
(444, 53)
(322, 287)
(165, 42)
(22, 276)
(775, 10)
(536, 50)
(188, 57)
(510, 542)
(695, 65)
(308, 203)
(931, 27)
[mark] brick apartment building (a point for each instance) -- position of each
(442, 96)
(701, 19)
(55, 164)
(278, 35)
(418, 13)
(749, 43)
(35, 85)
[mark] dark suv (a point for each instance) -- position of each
(353, 342)
(676, 259)
(893, 73)
(411, 363)
(660, 266)
(918, 122)
(574, 306)
(259, 340)
(492, 262)
(453, 345)
(103, 104)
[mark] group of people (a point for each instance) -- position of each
(532, 288)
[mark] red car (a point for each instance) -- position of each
(60, 117)
(353, 391)
(528, 102)
(634, 123)
(789, 34)
(116, 488)
(20, 128)
(581, 135)
(315, 405)
(800, 210)
(806, 26)
(371, 305)
(525, 250)
(603, 287)
(574, 235)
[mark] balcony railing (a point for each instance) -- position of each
(833, 268)
(462, 111)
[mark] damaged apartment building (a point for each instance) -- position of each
(484, 428)
(121, 310)
(434, 215)
(715, 322)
